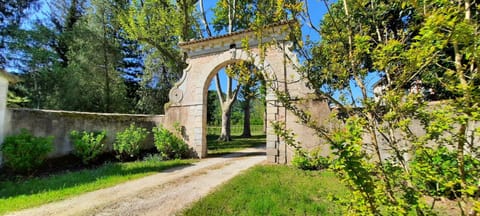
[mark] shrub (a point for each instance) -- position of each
(310, 160)
(436, 172)
(88, 145)
(24, 152)
(169, 145)
(128, 142)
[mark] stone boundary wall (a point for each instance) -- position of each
(416, 127)
(60, 123)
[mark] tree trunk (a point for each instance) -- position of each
(265, 120)
(461, 133)
(204, 19)
(225, 134)
(226, 105)
(36, 89)
(105, 62)
(246, 119)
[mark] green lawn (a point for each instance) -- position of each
(217, 148)
(235, 129)
(273, 190)
(17, 195)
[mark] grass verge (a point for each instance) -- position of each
(216, 147)
(274, 190)
(17, 195)
(235, 129)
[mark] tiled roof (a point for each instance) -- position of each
(234, 33)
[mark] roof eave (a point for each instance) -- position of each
(277, 25)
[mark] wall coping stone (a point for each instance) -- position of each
(87, 114)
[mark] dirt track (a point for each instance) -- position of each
(164, 193)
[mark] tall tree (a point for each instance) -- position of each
(226, 101)
(133, 59)
(36, 64)
(226, 13)
(235, 15)
(64, 17)
(159, 25)
(69, 60)
(250, 91)
(11, 14)
(40, 54)
(94, 84)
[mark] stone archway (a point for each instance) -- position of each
(188, 97)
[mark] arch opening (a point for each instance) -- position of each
(188, 98)
(244, 101)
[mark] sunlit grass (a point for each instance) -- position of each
(274, 190)
(236, 129)
(216, 147)
(17, 195)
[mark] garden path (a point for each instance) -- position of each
(164, 193)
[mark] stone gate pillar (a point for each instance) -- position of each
(188, 98)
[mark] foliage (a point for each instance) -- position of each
(24, 152)
(40, 55)
(257, 109)
(69, 59)
(242, 12)
(246, 75)
(128, 142)
(158, 26)
(235, 15)
(30, 57)
(88, 145)
(311, 160)
(436, 172)
(78, 58)
(156, 82)
(12, 12)
(161, 25)
(250, 91)
(366, 136)
(15, 101)
(454, 53)
(32, 192)
(94, 56)
(274, 190)
(402, 43)
(169, 145)
(213, 108)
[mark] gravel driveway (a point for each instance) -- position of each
(164, 193)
